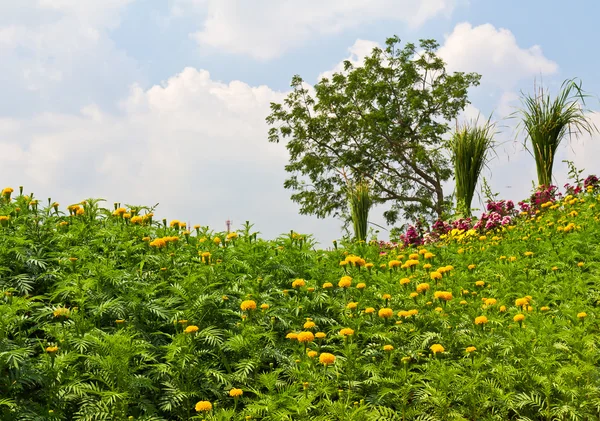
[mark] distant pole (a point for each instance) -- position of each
(228, 223)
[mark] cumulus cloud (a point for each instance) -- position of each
(495, 54)
(264, 29)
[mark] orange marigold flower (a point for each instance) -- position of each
(305, 337)
(326, 358)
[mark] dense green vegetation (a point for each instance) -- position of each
(109, 315)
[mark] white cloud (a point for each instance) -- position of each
(196, 145)
(49, 47)
(265, 29)
(495, 54)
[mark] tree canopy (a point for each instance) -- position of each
(383, 121)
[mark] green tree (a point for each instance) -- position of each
(382, 122)
(470, 145)
(547, 122)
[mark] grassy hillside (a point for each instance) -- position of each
(110, 315)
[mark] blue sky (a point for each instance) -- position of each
(146, 101)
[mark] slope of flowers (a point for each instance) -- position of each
(110, 315)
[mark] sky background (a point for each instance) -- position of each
(164, 101)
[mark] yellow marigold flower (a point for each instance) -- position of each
(235, 393)
(320, 335)
(352, 305)
(305, 337)
(580, 264)
(403, 313)
(426, 266)
(435, 348)
(7, 191)
(388, 348)
(479, 283)
(309, 325)
(443, 295)
(481, 320)
(581, 315)
(51, 349)
(554, 268)
(217, 240)
(528, 253)
(327, 285)
(298, 283)
(158, 243)
(435, 275)
(414, 294)
(429, 255)
(386, 313)
(203, 406)
(347, 331)
(394, 263)
(231, 236)
(343, 263)
(191, 329)
(310, 289)
(369, 310)
(345, 282)
(404, 281)
(521, 302)
(471, 349)
(519, 318)
(386, 296)
(312, 354)
(422, 287)
(369, 265)
(471, 267)
(326, 358)
(411, 262)
(119, 321)
(182, 321)
(413, 256)
(413, 312)
(361, 285)
(248, 305)
(463, 302)
(439, 309)
(79, 211)
(512, 258)
(502, 309)
(61, 311)
(292, 336)
(490, 302)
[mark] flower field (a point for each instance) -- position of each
(108, 314)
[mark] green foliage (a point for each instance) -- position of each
(470, 146)
(98, 324)
(383, 122)
(547, 122)
(360, 205)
